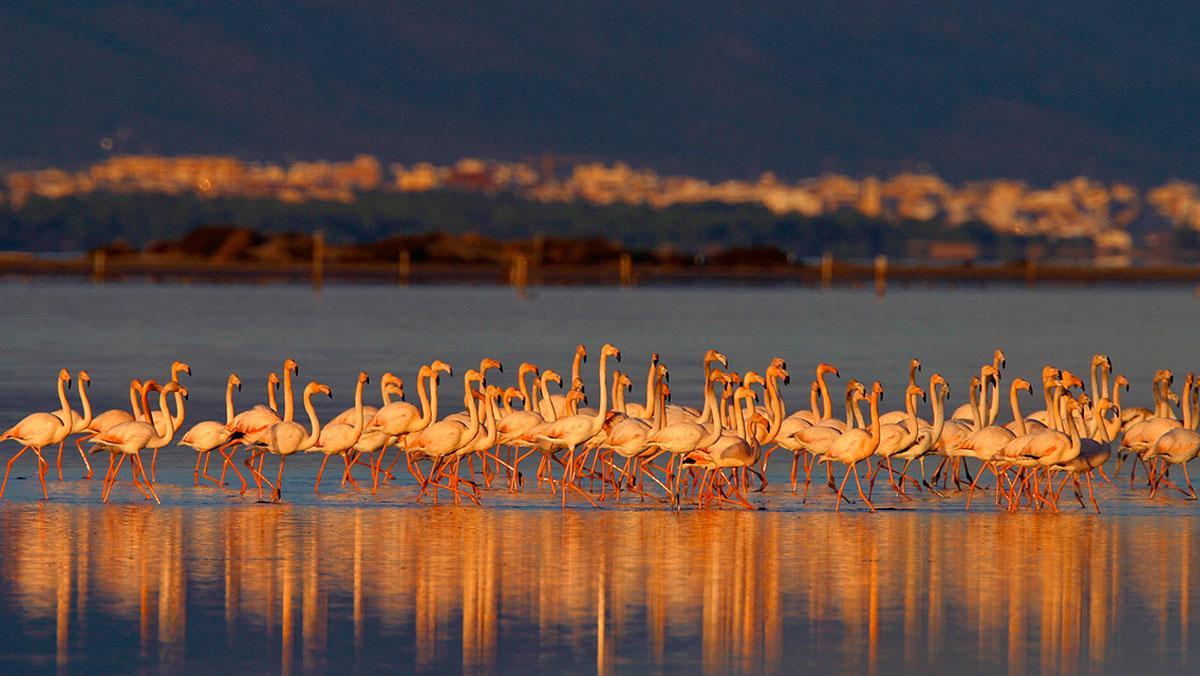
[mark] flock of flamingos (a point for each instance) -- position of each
(654, 449)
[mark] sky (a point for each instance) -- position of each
(970, 89)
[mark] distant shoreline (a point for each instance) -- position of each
(843, 273)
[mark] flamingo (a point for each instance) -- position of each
(339, 438)
(39, 430)
(986, 443)
(440, 440)
(927, 435)
(128, 439)
(79, 425)
(683, 437)
(288, 437)
(400, 418)
(816, 440)
(207, 435)
(571, 431)
(856, 445)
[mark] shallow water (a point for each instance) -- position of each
(343, 580)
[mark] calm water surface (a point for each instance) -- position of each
(343, 581)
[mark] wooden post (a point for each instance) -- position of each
(318, 259)
(518, 275)
(99, 265)
(405, 266)
(881, 266)
(626, 270)
(826, 270)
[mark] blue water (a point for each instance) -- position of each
(212, 579)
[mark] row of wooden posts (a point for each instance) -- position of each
(519, 267)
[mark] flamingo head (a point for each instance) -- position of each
(877, 389)
(234, 381)
(577, 384)
(488, 363)
(526, 367)
(816, 387)
(991, 373)
(666, 391)
(1050, 373)
(752, 377)
(915, 391)
(915, 364)
(1022, 384)
(273, 380)
(664, 373)
(388, 379)
(550, 375)
(1071, 380)
(824, 368)
(317, 388)
(780, 372)
(84, 378)
(625, 382)
(581, 352)
(64, 376)
(999, 359)
(178, 367)
(511, 393)
(714, 356)
(290, 364)
(653, 357)
(609, 350)
(363, 378)
(472, 376)
(440, 366)
(1121, 381)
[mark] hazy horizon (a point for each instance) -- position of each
(968, 90)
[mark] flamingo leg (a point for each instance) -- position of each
(42, 466)
(196, 471)
(58, 462)
(83, 454)
(279, 479)
(842, 490)
(317, 485)
(1091, 493)
(9, 469)
(154, 465)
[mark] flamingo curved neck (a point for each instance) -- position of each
(549, 415)
(289, 406)
(315, 425)
(1015, 403)
(86, 403)
(717, 429)
(973, 397)
(358, 409)
(271, 396)
(64, 405)
(135, 406)
(525, 399)
(939, 412)
(651, 399)
(229, 403)
(158, 441)
(826, 402)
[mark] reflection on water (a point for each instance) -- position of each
(302, 588)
